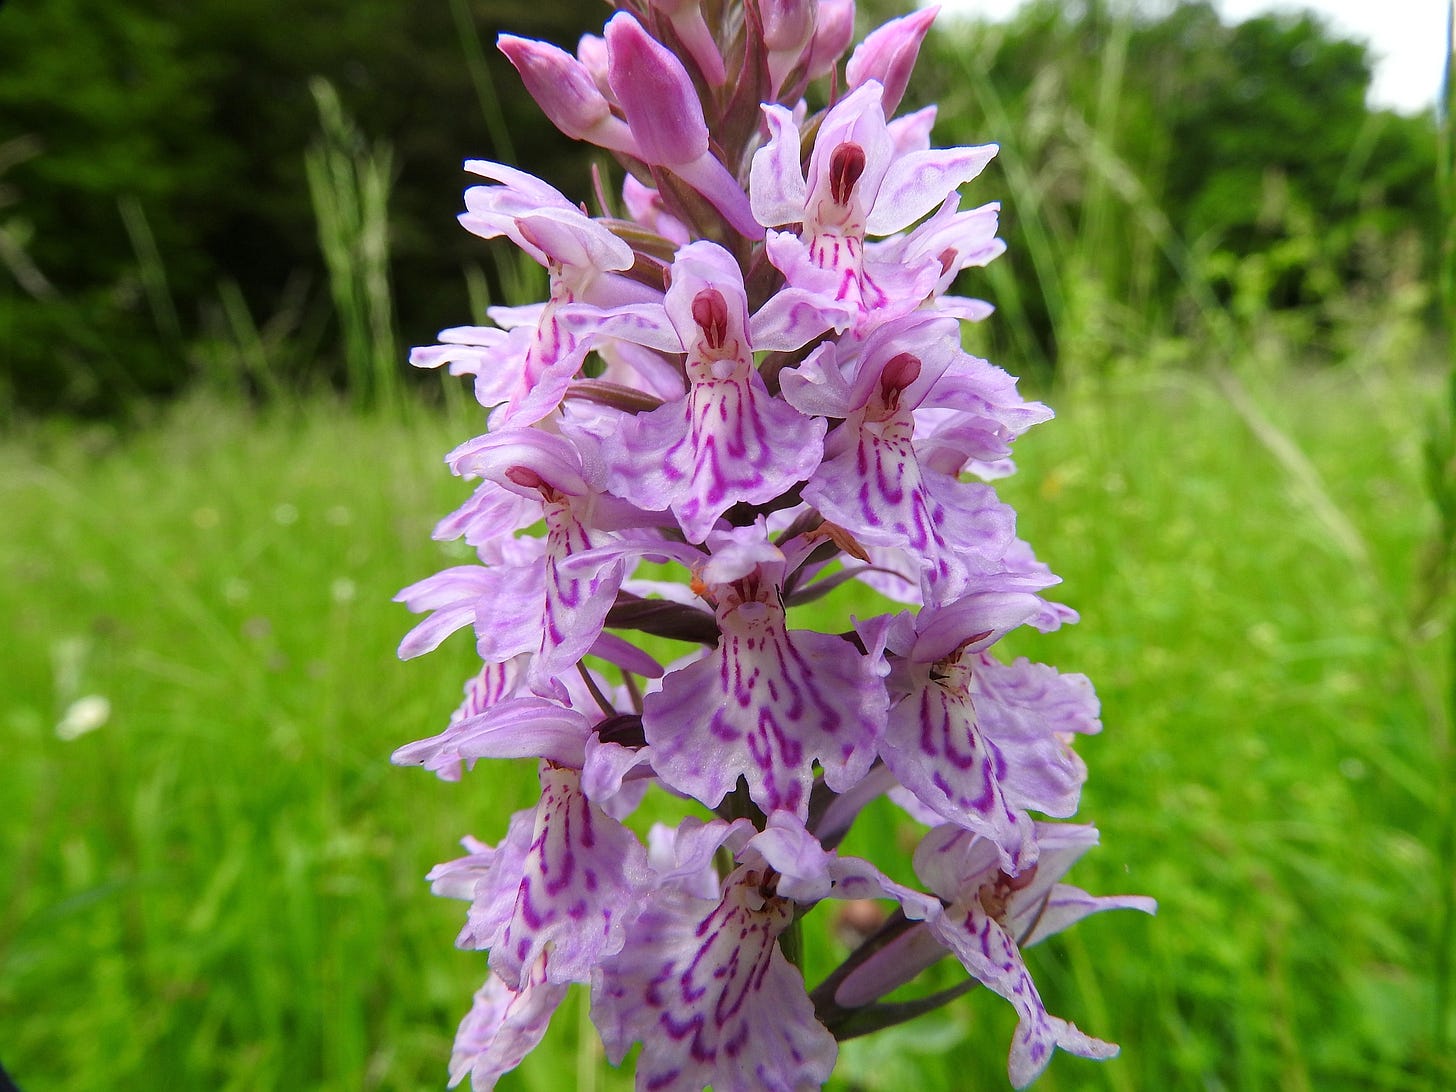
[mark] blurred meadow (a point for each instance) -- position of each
(1230, 277)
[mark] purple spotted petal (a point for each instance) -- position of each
(990, 954)
(1030, 710)
(765, 705)
(938, 752)
(728, 442)
(501, 1028)
(975, 927)
(704, 987)
(581, 877)
(875, 487)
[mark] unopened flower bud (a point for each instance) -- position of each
(591, 51)
(788, 32)
(833, 31)
(787, 24)
(564, 89)
(888, 55)
(656, 94)
(666, 118)
(686, 17)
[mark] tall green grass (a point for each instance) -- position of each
(220, 885)
(349, 183)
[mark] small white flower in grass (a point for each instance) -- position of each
(83, 715)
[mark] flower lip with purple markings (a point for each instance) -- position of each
(743, 402)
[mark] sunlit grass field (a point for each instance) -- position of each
(220, 886)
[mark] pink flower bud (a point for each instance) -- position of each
(666, 118)
(888, 55)
(788, 34)
(564, 89)
(656, 94)
(591, 51)
(832, 35)
(686, 17)
(788, 25)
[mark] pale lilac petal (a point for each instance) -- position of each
(604, 768)
(818, 386)
(991, 955)
(776, 178)
(705, 988)
(490, 515)
(969, 624)
(508, 318)
(936, 750)
(963, 308)
(918, 182)
(645, 324)
(911, 132)
(520, 727)
(683, 856)
(1029, 709)
(452, 595)
(501, 1028)
(493, 898)
(793, 317)
(1066, 905)
(582, 877)
(765, 705)
(457, 879)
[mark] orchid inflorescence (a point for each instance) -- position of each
(747, 392)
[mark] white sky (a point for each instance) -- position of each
(1407, 37)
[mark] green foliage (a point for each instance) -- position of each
(349, 184)
(1159, 167)
(197, 116)
(220, 886)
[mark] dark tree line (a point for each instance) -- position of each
(152, 151)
